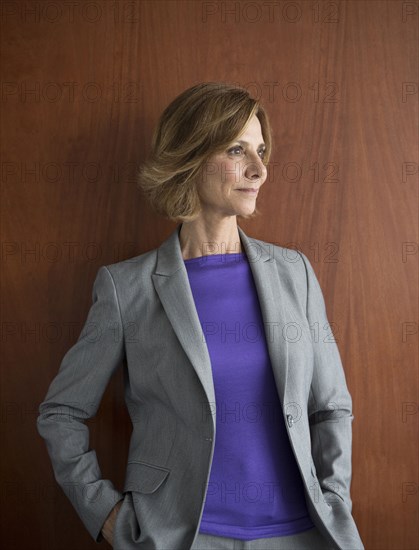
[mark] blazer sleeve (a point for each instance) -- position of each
(330, 403)
(74, 396)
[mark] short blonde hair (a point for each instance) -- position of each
(197, 124)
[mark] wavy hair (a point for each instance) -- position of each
(200, 122)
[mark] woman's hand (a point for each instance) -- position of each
(107, 529)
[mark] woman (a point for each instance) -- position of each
(241, 415)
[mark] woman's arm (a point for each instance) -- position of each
(330, 403)
(74, 396)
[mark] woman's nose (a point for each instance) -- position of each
(255, 168)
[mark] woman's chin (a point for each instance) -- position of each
(247, 211)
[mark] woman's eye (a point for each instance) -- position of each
(239, 149)
(234, 149)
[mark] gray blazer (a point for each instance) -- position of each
(144, 317)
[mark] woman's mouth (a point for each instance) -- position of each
(250, 191)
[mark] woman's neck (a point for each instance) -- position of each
(199, 239)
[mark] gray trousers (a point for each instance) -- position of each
(311, 539)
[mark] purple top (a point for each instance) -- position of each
(255, 488)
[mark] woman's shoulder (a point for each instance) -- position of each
(143, 263)
(287, 258)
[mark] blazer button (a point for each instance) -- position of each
(290, 420)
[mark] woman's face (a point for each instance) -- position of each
(226, 174)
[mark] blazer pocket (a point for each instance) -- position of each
(143, 477)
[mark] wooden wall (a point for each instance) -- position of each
(82, 86)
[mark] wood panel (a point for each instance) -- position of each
(82, 87)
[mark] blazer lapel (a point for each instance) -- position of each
(171, 282)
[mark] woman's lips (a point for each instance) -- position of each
(249, 191)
